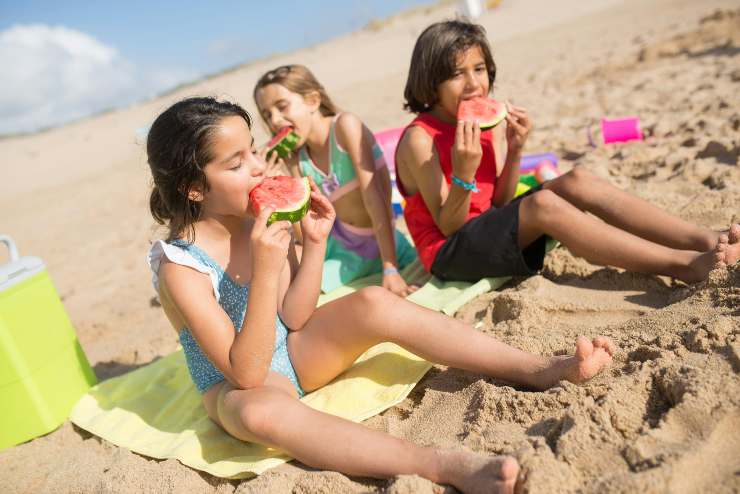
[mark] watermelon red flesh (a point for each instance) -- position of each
(289, 196)
(279, 136)
(488, 112)
(283, 143)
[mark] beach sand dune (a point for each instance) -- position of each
(664, 418)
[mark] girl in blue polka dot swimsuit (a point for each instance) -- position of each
(255, 342)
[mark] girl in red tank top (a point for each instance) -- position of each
(427, 235)
(460, 205)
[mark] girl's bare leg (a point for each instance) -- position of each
(342, 330)
(272, 416)
(602, 243)
(627, 212)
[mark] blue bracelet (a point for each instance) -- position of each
(390, 271)
(465, 185)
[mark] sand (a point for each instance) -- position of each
(664, 418)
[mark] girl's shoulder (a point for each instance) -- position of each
(348, 119)
(175, 265)
(416, 147)
(348, 128)
(416, 138)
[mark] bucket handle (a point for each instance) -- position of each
(11, 247)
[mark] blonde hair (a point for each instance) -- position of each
(297, 79)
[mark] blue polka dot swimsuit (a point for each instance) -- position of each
(233, 298)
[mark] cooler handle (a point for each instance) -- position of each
(11, 247)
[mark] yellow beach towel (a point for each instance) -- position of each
(156, 410)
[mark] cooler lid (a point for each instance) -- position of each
(18, 268)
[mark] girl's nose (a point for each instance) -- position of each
(259, 166)
(471, 81)
(275, 120)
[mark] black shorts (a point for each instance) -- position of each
(487, 246)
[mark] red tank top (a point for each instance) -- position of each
(420, 222)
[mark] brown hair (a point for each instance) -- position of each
(178, 148)
(434, 58)
(297, 79)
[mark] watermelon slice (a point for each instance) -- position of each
(288, 195)
(488, 112)
(283, 143)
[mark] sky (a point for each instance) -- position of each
(63, 60)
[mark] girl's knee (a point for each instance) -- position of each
(373, 296)
(260, 413)
(573, 181)
(581, 175)
(375, 304)
(542, 203)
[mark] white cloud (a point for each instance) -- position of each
(50, 75)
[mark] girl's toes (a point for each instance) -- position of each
(584, 348)
(735, 233)
(605, 343)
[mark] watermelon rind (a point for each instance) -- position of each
(494, 122)
(284, 146)
(293, 215)
(485, 125)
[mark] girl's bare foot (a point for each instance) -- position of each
(474, 473)
(734, 233)
(699, 268)
(590, 358)
(727, 252)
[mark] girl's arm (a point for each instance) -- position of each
(374, 186)
(417, 157)
(518, 126)
(244, 358)
(304, 286)
(507, 168)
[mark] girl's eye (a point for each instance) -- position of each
(236, 166)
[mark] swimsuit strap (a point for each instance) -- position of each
(199, 254)
(342, 177)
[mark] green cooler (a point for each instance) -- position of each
(43, 370)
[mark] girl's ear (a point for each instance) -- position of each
(195, 194)
(313, 100)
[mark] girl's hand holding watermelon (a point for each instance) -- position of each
(518, 126)
(275, 164)
(317, 223)
(466, 151)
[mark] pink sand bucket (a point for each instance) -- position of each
(619, 130)
(388, 141)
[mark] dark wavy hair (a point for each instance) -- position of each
(434, 58)
(178, 147)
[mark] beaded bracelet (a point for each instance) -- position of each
(390, 271)
(471, 186)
